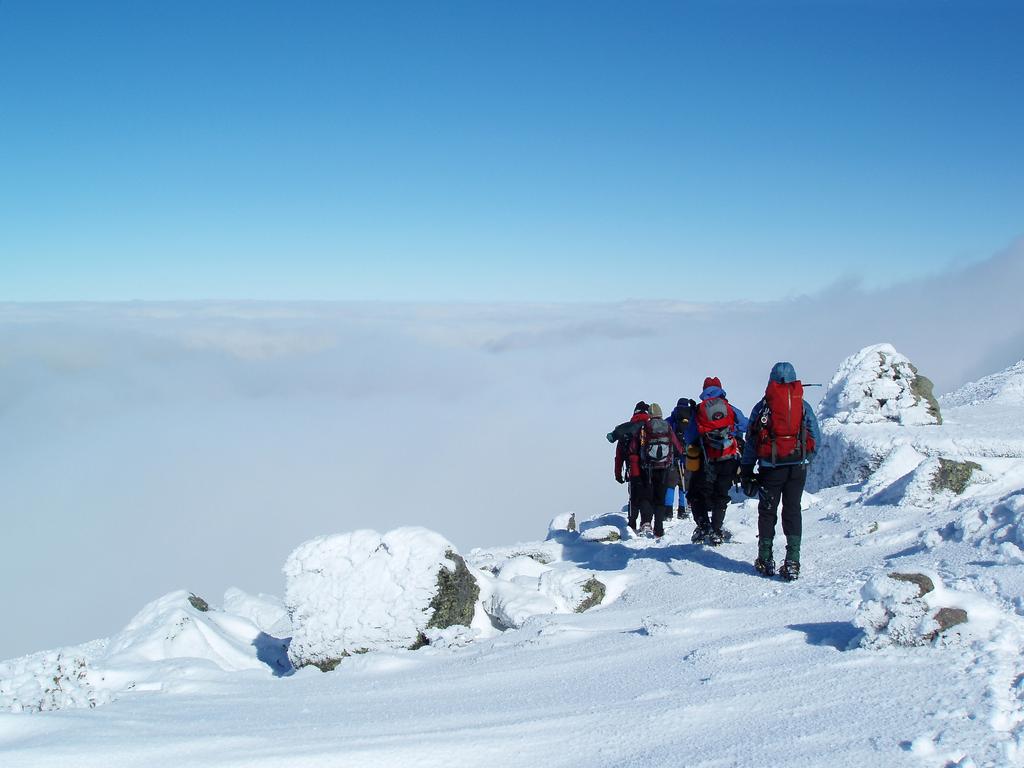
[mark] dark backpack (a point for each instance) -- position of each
(656, 444)
(626, 431)
(716, 424)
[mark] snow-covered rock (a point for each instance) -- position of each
(901, 609)
(878, 384)
(524, 588)
(360, 591)
(602, 533)
(872, 406)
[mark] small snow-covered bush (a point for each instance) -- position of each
(48, 681)
(361, 591)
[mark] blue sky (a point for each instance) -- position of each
(486, 151)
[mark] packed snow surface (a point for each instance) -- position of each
(690, 659)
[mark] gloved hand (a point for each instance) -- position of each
(748, 481)
(619, 480)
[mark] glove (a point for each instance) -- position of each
(748, 481)
(619, 480)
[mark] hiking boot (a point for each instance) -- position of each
(698, 534)
(790, 570)
(646, 530)
(765, 567)
(682, 514)
(715, 538)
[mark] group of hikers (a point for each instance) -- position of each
(704, 448)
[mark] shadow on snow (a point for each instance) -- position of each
(840, 635)
(273, 651)
(616, 555)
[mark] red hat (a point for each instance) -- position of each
(712, 381)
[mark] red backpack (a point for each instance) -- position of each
(716, 424)
(781, 433)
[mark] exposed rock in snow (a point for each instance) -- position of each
(1005, 387)
(951, 475)
(362, 591)
(878, 384)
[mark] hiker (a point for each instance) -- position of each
(781, 438)
(679, 419)
(713, 431)
(626, 458)
(659, 449)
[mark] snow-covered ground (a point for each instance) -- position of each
(691, 659)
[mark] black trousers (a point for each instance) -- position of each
(647, 499)
(709, 492)
(639, 491)
(785, 484)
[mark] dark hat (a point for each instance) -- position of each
(641, 407)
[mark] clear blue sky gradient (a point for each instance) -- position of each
(502, 150)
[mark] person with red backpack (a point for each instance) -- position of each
(781, 439)
(715, 429)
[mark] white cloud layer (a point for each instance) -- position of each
(149, 447)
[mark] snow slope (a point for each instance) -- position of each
(691, 660)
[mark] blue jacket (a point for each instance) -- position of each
(681, 411)
(692, 436)
(784, 373)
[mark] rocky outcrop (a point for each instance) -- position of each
(955, 476)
